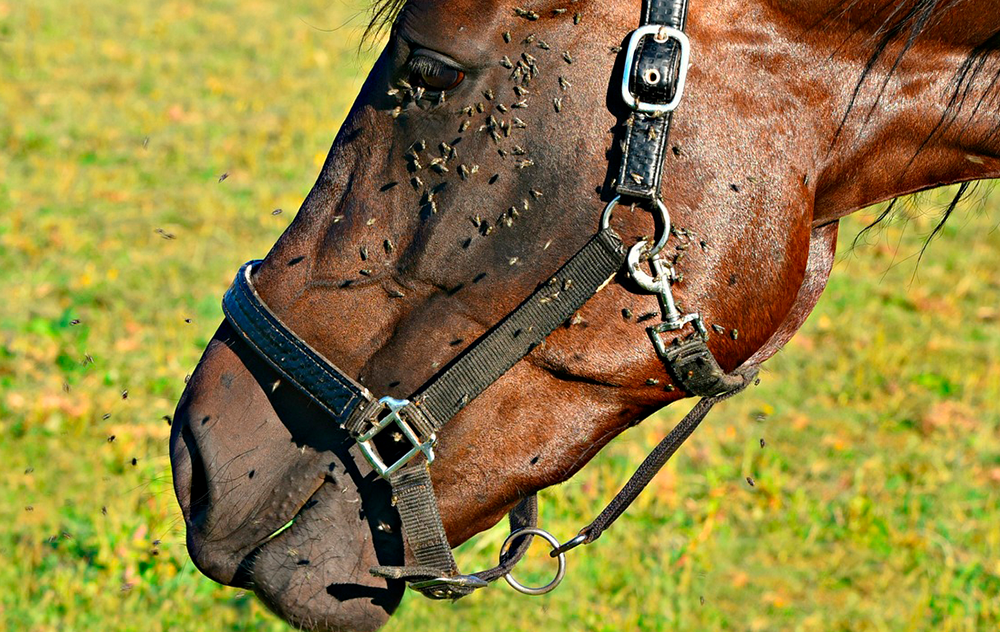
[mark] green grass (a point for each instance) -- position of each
(876, 502)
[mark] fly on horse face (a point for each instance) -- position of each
(541, 222)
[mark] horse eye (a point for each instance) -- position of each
(446, 79)
(433, 74)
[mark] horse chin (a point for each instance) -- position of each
(315, 576)
(246, 464)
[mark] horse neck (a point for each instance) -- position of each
(918, 102)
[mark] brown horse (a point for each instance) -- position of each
(796, 114)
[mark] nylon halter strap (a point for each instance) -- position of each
(653, 82)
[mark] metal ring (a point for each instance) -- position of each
(665, 234)
(606, 215)
(548, 537)
(664, 218)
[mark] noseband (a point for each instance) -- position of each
(656, 62)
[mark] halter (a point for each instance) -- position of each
(656, 62)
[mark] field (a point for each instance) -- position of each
(877, 496)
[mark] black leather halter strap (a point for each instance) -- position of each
(652, 86)
(657, 55)
(654, 80)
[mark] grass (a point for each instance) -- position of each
(876, 498)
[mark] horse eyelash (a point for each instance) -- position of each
(423, 65)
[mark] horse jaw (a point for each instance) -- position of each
(247, 462)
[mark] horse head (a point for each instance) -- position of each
(475, 162)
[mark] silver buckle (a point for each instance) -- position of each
(368, 448)
(660, 34)
(448, 587)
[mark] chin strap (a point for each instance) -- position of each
(430, 582)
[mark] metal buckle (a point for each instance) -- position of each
(661, 34)
(419, 446)
(448, 587)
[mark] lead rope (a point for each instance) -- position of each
(650, 467)
(653, 463)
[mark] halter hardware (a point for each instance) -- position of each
(365, 441)
(660, 284)
(653, 77)
(448, 587)
(556, 553)
(663, 229)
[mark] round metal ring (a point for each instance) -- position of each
(560, 573)
(606, 215)
(665, 230)
(664, 219)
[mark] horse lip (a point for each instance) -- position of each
(224, 557)
(225, 527)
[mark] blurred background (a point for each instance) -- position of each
(147, 149)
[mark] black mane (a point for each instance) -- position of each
(905, 23)
(383, 13)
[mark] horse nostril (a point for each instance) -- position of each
(198, 498)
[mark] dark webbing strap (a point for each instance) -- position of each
(524, 514)
(422, 527)
(481, 364)
(288, 354)
(551, 305)
(646, 138)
